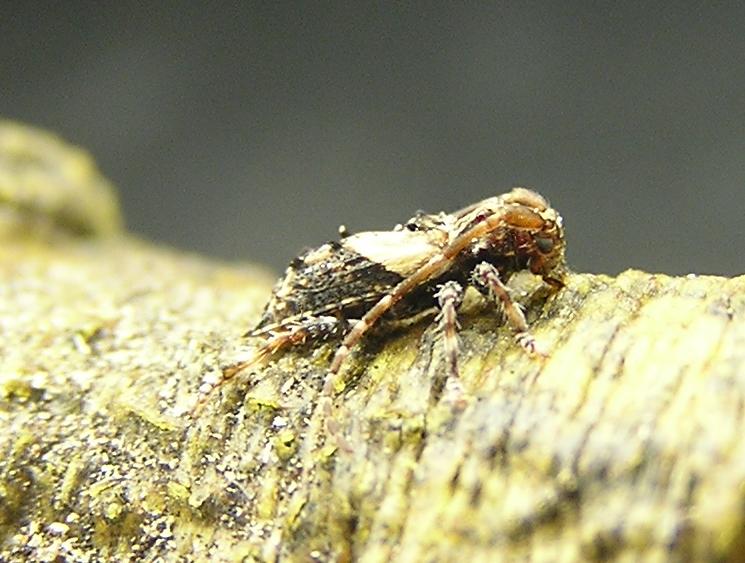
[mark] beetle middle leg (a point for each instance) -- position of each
(449, 298)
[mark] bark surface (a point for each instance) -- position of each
(625, 442)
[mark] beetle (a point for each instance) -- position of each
(344, 288)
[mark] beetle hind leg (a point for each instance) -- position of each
(283, 337)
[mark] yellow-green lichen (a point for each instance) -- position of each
(45, 183)
(625, 441)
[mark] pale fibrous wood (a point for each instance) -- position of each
(625, 441)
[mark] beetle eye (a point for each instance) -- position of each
(545, 245)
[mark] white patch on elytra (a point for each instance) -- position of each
(401, 252)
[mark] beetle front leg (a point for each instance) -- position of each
(487, 276)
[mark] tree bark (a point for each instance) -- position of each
(625, 441)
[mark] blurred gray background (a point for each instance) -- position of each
(250, 131)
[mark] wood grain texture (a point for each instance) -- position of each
(624, 443)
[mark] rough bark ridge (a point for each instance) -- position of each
(625, 442)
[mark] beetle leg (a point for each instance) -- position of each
(487, 276)
(516, 215)
(449, 298)
(297, 332)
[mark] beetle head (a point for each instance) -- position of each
(541, 233)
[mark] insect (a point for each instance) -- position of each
(345, 288)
